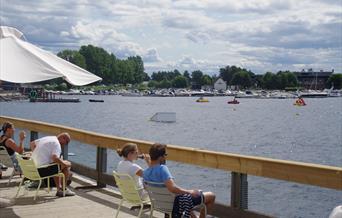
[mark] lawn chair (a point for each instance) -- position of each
(162, 199)
(7, 161)
(30, 171)
(129, 191)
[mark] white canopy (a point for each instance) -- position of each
(23, 62)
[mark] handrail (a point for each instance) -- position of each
(293, 171)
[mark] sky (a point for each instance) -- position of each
(259, 35)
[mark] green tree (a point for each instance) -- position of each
(152, 84)
(138, 68)
(98, 61)
(73, 57)
(242, 78)
(179, 82)
(186, 74)
(196, 79)
(228, 72)
(206, 80)
(336, 80)
(164, 84)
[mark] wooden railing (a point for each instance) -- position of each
(239, 165)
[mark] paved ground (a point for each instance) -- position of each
(88, 202)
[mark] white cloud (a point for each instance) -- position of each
(193, 34)
(151, 55)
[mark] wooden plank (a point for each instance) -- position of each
(306, 173)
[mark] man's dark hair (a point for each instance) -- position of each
(157, 150)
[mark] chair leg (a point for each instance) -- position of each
(151, 214)
(11, 176)
(63, 184)
(40, 182)
(141, 209)
(19, 187)
(48, 184)
(117, 212)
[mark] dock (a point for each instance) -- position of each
(88, 202)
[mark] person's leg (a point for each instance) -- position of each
(16, 164)
(209, 199)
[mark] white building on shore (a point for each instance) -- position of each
(220, 85)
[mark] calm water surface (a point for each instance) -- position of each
(268, 128)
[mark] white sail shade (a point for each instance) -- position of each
(23, 62)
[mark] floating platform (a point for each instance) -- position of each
(96, 100)
(166, 117)
(63, 100)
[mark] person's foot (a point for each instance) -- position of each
(68, 192)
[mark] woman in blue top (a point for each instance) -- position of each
(159, 172)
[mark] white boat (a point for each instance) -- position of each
(313, 94)
(335, 93)
(247, 94)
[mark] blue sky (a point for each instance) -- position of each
(260, 35)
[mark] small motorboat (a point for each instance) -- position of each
(233, 102)
(96, 100)
(201, 99)
(299, 102)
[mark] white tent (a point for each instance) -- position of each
(23, 62)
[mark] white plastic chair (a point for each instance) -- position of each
(30, 171)
(7, 161)
(129, 191)
(162, 199)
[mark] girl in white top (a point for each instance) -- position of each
(130, 154)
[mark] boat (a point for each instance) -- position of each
(202, 100)
(247, 94)
(96, 100)
(299, 102)
(314, 94)
(233, 102)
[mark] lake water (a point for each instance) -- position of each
(261, 127)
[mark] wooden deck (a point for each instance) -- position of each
(91, 202)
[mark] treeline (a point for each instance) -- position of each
(111, 69)
(131, 71)
(233, 75)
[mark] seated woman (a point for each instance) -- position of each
(130, 154)
(186, 199)
(6, 140)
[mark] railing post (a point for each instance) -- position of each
(239, 191)
(101, 165)
(65, 152)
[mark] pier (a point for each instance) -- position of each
(239, 166)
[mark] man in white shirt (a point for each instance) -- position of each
(47, 150)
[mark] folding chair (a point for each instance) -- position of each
(30, 171)
(7, 161)
(129, 191)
